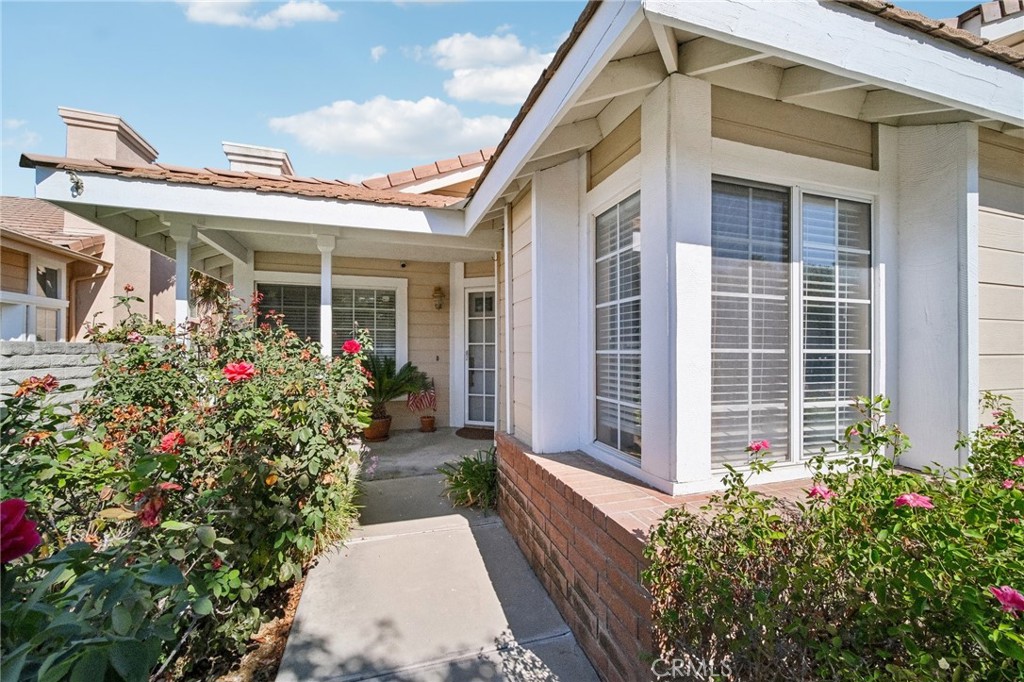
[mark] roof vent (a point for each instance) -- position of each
(247, 157)
(93, 135)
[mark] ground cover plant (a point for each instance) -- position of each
(881, 574)
(192, 480)
(472, 481)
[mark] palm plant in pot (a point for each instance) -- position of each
(421, 400)
(388, 383)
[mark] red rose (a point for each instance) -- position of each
(216, 563)
(352, 346)
(18, 535)
(171, 442)
(169, 486)
(36, 385)
(239, 371)
(128, 288)
(149, 514)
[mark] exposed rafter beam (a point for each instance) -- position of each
(882, 104)
(225, 243)
(203, 252)
(565, 138)
(755, 78)
(665, 37)
(218, 261)
(618, 110)
(102, 213)
(624, 76)
(151, 226)
(804, 81)
(705, 55)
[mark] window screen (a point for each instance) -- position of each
(617, 297)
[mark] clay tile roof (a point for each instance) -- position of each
(43, 221)
(429, 170)
(257, 182)
(951, 30)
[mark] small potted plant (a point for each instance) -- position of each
(388, 383)
(421, 400)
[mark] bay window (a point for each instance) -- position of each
(791, 311)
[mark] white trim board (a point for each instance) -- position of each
(458, 285)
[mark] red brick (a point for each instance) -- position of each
(580, 565)
(628, 588)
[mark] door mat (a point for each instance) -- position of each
(475, 433)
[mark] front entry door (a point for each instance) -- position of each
(481, 356)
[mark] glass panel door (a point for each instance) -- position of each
(481, 357)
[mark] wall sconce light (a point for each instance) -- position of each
(438, 298)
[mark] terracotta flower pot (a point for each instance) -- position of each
(378, 430)
(427, 424)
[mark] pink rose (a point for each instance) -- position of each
(914, 500)
(1008, 484)
(758, 446)
(1009, 599)
(1019, 461)
(18, 535)
(135, 337)
(351, 346)
(239, 371)
(171, 442)
(820, 491)
(169, 486)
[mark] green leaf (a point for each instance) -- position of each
(121, 618)
(207, 535)
(91, 667)
(203, 606)
(163, 574)
(178, 554)
(130, 660)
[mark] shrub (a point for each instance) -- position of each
(473, 480)
(882, 574)
(229, 461)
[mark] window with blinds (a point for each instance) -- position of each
(761, 374)
(617, 299)
(750, 302)
(371, 309)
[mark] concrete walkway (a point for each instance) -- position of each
(424, 592)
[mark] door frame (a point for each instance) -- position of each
(459, 286)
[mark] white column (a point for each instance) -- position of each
(457, 347)
(938, 289)
(243, 278)
(182, 236)
(325, 244)
(675, 266)
(559, 393)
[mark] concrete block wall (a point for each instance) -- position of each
(582, 527)
(69, 363)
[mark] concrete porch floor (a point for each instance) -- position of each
(425, 592)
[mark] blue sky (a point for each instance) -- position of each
(350, 89)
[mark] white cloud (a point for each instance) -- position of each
(16, 136)
(494, 68)
(240, 13)
(428, 128)
(377, 51)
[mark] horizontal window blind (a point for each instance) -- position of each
(750, 308)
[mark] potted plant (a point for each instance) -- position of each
(422, 399)
(388, 383)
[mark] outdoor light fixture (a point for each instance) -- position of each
(438, 298)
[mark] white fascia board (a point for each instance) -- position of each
(851, 43)
(441, 181)
(613, 22)
(216, 202)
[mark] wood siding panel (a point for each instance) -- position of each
(501, 402)
(762, 122)
(611, 153)
(522, 317)
(428, 328)
(13, 271)
(1001, 265)
(482, 268)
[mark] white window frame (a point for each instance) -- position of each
(399, 285)
(620, 185)
(33, 300)
(803, 175)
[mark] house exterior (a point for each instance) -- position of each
(710, 223)
(61, 272)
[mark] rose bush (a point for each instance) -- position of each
(882, 574)
(192, 478)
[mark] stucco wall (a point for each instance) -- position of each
(1001, 266)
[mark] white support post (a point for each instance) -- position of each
(938, 289)
(182, 236)
(558, 399)
(675, 209)
(325, 244)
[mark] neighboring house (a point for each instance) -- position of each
(61, 272)
(710, 223)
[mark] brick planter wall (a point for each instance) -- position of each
(582, 526)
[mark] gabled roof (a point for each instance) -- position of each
(44, 222)
(418, 173)
(227, 179)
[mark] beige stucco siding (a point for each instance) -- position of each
(428, 328)
(522, 317)
(1001, 266)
